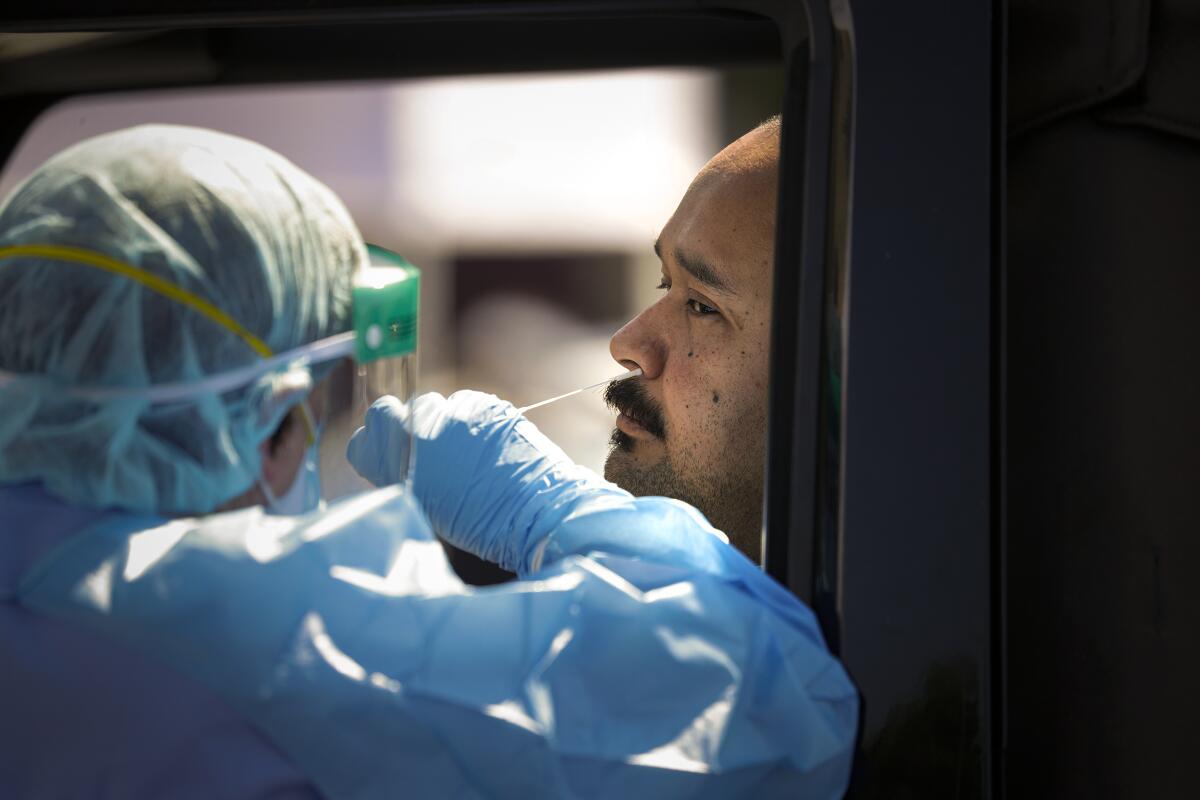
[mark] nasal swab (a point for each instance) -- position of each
(633, 373)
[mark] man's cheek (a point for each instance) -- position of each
(734, 416)
(678, 402)
(709, 424)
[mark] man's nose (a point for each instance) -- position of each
(640, 344)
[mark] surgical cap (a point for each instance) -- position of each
(227, 221)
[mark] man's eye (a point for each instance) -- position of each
(663, 283)
(700, 309)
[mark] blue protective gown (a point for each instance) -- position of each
(346, 639)
(638, 656)
(86, 716)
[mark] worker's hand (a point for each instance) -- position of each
(490, 482)
(379, 449)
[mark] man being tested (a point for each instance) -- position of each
(693, 426)
(165, 297)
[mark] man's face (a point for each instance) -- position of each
(693, 426)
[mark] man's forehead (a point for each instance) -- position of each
(726, 222)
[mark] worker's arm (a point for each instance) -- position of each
(492, 484)
(644, 658)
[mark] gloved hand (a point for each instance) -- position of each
(490, 482)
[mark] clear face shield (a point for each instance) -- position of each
(382, 361)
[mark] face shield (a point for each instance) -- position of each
(378, 358)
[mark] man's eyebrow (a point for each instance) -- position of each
(699, 269)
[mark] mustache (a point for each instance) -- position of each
(630, 398)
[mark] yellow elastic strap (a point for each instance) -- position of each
(78, 255)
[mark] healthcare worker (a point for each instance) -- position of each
(166, 631)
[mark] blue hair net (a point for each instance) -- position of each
(227, 221)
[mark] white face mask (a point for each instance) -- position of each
(304, 495)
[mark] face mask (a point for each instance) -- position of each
(304, 495)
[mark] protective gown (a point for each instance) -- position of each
(638, 656)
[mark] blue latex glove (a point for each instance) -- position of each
(490, 482)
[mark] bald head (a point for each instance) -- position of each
(757, 152)
(743, 180)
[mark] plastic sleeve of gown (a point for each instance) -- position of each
(641, 660)
(492, 484)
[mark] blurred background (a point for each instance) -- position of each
(530, 203)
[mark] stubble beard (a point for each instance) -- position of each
(732, 501)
